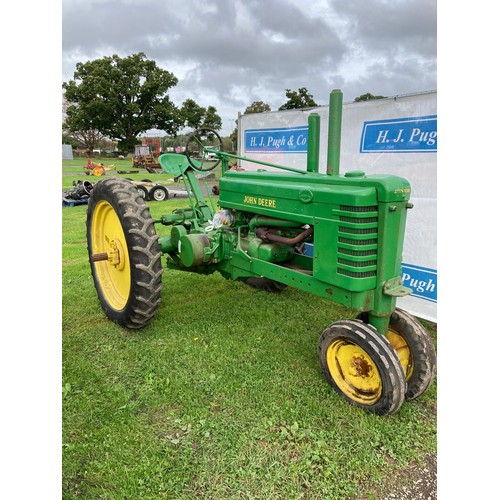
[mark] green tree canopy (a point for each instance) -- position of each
(121, 98)
(234, 135)
(69, 139)
(367, 97)
(257, 107)
(298, 100)
(192, 113)
(212, 119)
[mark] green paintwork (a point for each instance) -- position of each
(173, 163)
(334, 132)
(358, 220)
(313, 123)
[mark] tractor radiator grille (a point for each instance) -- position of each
(347, 208)
(357, 253)
(358, 264)
(358, 241)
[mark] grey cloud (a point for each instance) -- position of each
(229, 53)
(386, 27)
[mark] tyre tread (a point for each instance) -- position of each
(144, 251)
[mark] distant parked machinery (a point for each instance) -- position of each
(97, 169)
(78, 194)
(79, 191)
(148, 189)
(143, 158)
(151, 191)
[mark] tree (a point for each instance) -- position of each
(192, 113)
(212, 119)
(196, 116)
(69, 139)
(368, 97)
(90, 139)
(121, 98)
(298, 100)
(234, 135)
(173, 141)
(257, 107)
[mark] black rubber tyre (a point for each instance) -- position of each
(265, 284)
(146, 180)
(158, 193)
(144, 192)
(362, 367)
(415, 349)
(195, 148)
(119, 226)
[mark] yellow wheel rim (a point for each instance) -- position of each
(401, 347)
(354, 372)
(108, 237)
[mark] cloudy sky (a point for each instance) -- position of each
(229, 53)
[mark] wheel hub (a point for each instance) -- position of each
(110, 248)
(114, 252)
(359, 367)
(354, 371)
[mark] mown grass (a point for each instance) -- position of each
(220, 396)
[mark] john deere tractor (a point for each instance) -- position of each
(336, 236)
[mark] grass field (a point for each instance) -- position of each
(220, 396)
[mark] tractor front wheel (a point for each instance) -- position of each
(415, 351)
(124, 253)
(362, 366)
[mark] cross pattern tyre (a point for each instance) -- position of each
(415, 349)
(158, 193)
(362, 367)
(129, 280)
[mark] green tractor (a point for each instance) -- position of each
(259, 233)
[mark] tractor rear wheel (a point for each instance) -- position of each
(124, 253)
(362, 366)
(415, 351)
